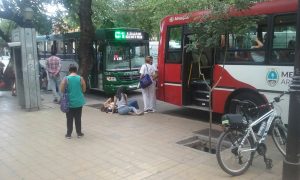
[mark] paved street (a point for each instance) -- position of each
(33, 145)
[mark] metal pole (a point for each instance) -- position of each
(291, 163)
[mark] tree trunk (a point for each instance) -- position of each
(86, 37)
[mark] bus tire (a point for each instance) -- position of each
(253, 98)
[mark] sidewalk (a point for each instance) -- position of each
(33, 146)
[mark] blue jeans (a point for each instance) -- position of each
(133, 103)
(54, 83)
(124, 110)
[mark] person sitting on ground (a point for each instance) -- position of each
(120, 100)
(108, 105)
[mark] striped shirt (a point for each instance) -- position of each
(53, 65)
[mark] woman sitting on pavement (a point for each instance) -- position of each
(120, 100)
(108, 105)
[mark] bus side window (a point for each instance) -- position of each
(174, 48)
(238, 48)
(245, 48)
(284, 38)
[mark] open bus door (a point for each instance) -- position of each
(182, 83)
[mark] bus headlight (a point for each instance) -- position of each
(110, 78)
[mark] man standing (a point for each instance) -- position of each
(53, 67)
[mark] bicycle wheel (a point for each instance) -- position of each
(232, 160)
(279, 135)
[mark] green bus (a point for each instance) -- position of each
(118, 55)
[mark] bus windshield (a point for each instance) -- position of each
(124, 57)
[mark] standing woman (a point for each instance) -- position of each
(149, 92)
(75, 87)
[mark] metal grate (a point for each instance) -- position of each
(129, 77)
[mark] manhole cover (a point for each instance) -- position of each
(97, 106)
(205, 132)
(198, 143)
(200, 140)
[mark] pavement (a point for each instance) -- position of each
(33, 145)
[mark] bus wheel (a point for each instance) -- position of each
(253, 99)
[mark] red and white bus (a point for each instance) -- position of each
(256, 75)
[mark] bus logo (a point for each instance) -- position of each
(171, 19)
(272, 77)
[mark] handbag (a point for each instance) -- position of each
(145, 81)
(64, 101)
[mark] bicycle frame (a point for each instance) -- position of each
(249, 131)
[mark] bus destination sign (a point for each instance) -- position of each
(122, 35)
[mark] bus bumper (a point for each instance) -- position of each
(112, 88)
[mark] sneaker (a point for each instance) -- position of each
(55, 101)
(146, 111)
(80, 135)
(68, 136)
(151, 110)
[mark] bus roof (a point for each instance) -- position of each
(267, 7)
(50, 37)
(53, 37)
(111, 34)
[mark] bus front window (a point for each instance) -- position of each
(137, 54)
(124, 57)
(116, 58)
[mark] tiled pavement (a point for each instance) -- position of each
(32, 146)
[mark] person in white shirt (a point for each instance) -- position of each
(155, 77)
(148, 93)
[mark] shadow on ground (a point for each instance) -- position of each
(193, 114)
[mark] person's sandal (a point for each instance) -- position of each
(140, 113)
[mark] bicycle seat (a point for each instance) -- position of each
(234, 121)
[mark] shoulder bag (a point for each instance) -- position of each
(145, 81)
(64, 101)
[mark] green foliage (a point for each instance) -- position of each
(12, 10)
(144, 14)
(103, 13)
(153, 11)
(218, 23)
(208, 33)
(6, 28)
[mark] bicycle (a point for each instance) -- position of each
(238, 143)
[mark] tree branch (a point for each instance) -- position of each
(4, 36)
(9, 15)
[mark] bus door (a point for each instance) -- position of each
(196, 73)
(96, 77)
(173, 66)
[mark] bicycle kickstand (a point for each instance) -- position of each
(268, 162)
(262, 150)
